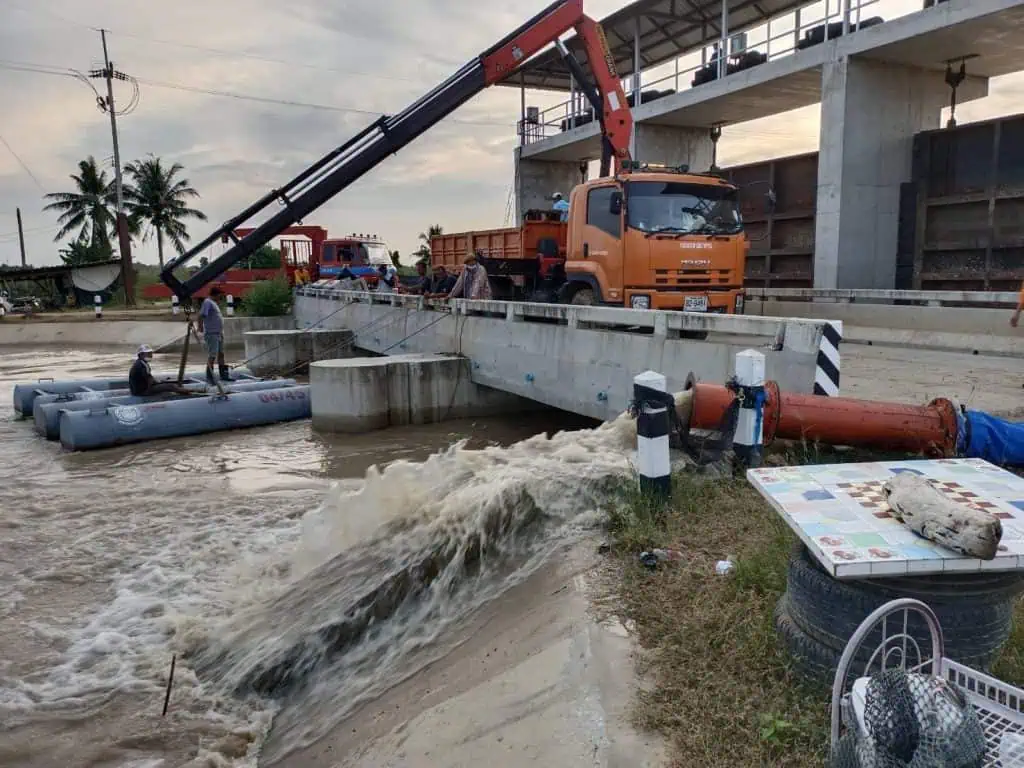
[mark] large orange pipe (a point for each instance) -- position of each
(930, 429)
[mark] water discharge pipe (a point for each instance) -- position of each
(931, 429)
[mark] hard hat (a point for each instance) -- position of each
(557, 196)
(145, 349)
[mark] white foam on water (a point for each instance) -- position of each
(235, 593)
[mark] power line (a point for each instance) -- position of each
(22, 163)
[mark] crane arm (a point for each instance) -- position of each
(346, 164)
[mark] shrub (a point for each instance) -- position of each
(269, 298)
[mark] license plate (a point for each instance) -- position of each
(695, 304)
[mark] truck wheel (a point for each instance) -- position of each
(583, 297)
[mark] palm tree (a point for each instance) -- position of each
(156, 201)
(434, 230)
(91, 208)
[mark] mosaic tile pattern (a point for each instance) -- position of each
(839, 512)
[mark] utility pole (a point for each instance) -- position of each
(21, 236)
(124, 241)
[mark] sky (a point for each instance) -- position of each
(336, 65)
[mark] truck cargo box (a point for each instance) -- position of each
(511, 244)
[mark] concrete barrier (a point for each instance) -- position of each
(287, 352)
(163, 335)
(579, 359)
(365, 394)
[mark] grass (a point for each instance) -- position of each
(716, 683)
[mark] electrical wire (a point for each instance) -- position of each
(22, 163)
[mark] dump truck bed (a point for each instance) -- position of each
(507, 244)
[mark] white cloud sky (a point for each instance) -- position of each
(367, 56)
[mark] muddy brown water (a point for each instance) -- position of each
(336, 564)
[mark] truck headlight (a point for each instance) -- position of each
(640, 302)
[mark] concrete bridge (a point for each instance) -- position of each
(578, 359)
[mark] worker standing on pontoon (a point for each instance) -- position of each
(211, 325)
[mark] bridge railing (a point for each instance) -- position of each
(872, 296)
(796, 333)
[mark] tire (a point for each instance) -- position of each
(583, 297)
(810, 659)
(975, 614)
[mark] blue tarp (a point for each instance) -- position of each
(995, 440)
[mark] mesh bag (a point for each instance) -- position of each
(913, 720)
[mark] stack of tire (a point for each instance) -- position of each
(818, 614)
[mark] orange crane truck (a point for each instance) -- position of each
(640, 238)
(647, 238)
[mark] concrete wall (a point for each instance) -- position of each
(586, 365)
(538, 180)
(954, 328)
(162, 335)
(673, 145)
(870, 112)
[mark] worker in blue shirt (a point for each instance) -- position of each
(561, 205)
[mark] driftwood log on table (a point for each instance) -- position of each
(928, 512)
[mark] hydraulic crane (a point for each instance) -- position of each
(364, 151)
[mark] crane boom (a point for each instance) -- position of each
(386, 136)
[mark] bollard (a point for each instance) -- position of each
(747, 442)
(174, 305)
(231, 305)
(98, 302)
(652, 436)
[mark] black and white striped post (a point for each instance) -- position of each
(175, 305)
(748, 438)
(97, 302)
(231, 305)
(826, 377)
(652, 435)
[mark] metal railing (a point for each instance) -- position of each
(576, 112)
(872, 296)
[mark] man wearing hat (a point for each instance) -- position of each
(141, 381)
(472, 282)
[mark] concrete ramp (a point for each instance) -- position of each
(578, 359)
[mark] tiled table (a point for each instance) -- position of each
(839, 513)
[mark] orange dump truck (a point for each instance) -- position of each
(648, 238)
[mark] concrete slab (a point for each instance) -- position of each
(993, 29)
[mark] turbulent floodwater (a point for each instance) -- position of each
(295, 577)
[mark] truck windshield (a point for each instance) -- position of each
(683, 208)
(378, 253)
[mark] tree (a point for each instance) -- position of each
(90, 209)
(265, 257)
(83, 251)
(434, 230)
(157, 202)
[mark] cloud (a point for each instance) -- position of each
(363, 57)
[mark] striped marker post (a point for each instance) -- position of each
(826, 377)
(174, 305)
(97, 301)
(747, 441)
(652, 436)
(231, 305)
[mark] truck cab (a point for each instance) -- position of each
(656, 238)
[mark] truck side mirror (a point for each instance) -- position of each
(770, 200)
(615, 203)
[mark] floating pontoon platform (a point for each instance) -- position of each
(25, 394)
(108, 425)
(47, 414)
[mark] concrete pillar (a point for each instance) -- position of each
(538, 180)
(331, 344)
(366, 394)
(277, 352)
(674, 145)
(870, 111)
